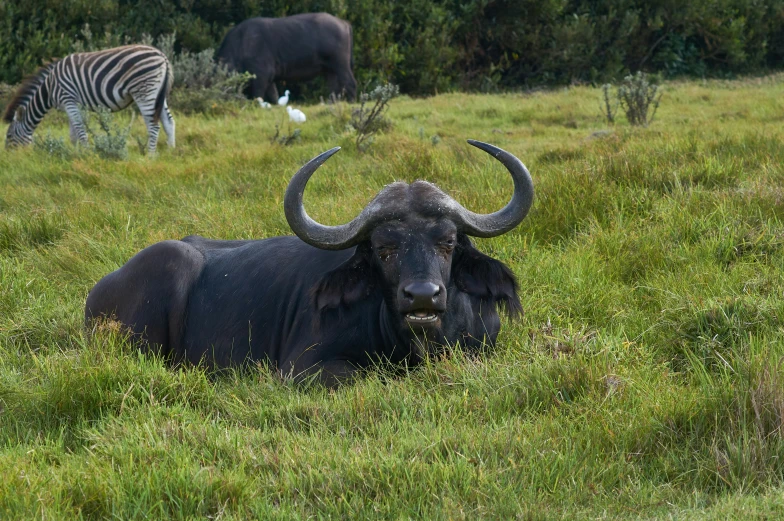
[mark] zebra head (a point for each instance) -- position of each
(18, 134)
(27, 108)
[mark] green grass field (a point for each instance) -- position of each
(644, 381)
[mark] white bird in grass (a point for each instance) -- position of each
(296, 115)
(263, 104)
(284, 100)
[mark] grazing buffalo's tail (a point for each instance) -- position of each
(166, 87)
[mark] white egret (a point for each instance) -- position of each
(296, 115)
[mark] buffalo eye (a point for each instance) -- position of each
(386, 253)
(446, 246)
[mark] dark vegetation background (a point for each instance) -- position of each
(427, 46)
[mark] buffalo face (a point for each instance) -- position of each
(412, 245)
(420, 262)
(413, 259)
(410, 262)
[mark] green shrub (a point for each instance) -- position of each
(367, 120)
(639, 98)
(90, 43)
(609, 106)
(107, 139)
(432, 46)
(287, 139)
(112, 140)
(200, 84)
(638, 95)
(53, 146)
(7, 93)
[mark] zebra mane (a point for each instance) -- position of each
(26, 92)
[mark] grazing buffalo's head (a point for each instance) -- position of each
(412, 244)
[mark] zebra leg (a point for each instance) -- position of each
(152, 134)
(72, 132)
(146, 105)
(168, 124)
(77, 130)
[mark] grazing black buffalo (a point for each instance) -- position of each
(294, 48)
(398, 281)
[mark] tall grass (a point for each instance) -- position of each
(644, 381)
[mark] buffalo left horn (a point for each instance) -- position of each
(505, 219)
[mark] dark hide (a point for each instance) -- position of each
(299, 308)
(397, 282)
(294, 48)
(485, 277)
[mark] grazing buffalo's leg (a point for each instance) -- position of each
(259, 87)
(334, 85)
(348, 84)
(342, 82)
(149, 294)
(271, 94)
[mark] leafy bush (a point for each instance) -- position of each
(428, 46)
(107, 139)
(285, 139)
(112, 140)
(637, 95)
(200, 84)
(223, 86)
(609, 109)
(639, 98)
(7, 93)
(53, 146)
(90, 43)
(368, 120)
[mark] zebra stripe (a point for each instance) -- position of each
(112, 79)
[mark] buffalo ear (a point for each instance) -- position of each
(484, 277)
(348, 283)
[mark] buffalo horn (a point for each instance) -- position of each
(324, 237)
(505, 219)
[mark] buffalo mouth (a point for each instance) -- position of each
(422, 316)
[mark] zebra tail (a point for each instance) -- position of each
(163, 93)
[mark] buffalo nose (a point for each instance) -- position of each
(421, 293)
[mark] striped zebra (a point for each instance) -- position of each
(112, 78)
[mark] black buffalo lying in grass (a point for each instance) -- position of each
(293, 48)
(399, 280)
